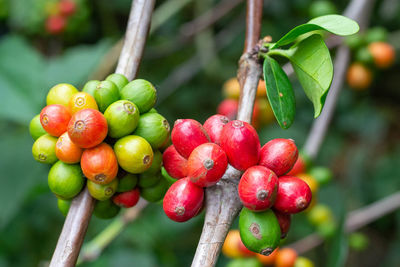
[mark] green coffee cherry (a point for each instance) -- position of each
(119, 80)
(35, 128)
(63, 205)
(320, 214)
(322, 175)
(156, 164)
(154, 128)
(376, 34)
(65, 180)
(127, 182)
(358, 241)
(140, 92)
(148, 179)
(44, 149)
(155, 192)
(364, 56)
(167, 177)
(106, 209)
(90, 87)
(122, 118)
(105, 94)
(102, 191)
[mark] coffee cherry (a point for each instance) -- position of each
(258, 188)
(106, 209)
(99, 164)
(66, 150)
(105, 94)
(65, 180)
(148, 179)
(231, 88)
(140, 92)
(268, 260)
(230, 247)
(67, 7)
(279, 155)
(240, 142)
(156, 192)
(63, 205)
(55, 24)
(310, 181)
(60, 94)
(188, 134)
(294, 195)
(320, 214)
(127, 199)
(122, 118)
(118, 79)
(44, 149)
(156, 164)
(259, 231)
(102, 191)
(284, 220)
(207, 164)
(214, 126)
(300, 166)
(322, 175)
(303, 262)
(183, 200)
(90, 87)
(87, 128)
(154, 128)
(134, 154)
(228, 108)
(81, 101)
(54, 119)
(35, 128)
(286, 257)
(382, 53)
(127, 181)
(174, 163)
(358, 76)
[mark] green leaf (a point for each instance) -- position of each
(280, 92)
(313, 66)
(335, 24)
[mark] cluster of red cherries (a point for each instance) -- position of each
(199, 157)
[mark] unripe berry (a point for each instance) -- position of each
(284, 220)
(294, 195)
(241, 144)
(127, 199)
(54, 119)
(183, 200)
(174, 163)
(214, 126)
(279, 155)
(258, 188)
(188, 134)
(207, 164)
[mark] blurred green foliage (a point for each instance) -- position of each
(362, 146)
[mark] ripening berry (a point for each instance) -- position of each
(54, 119)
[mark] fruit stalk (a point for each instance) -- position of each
(222, 201)
(75, 225)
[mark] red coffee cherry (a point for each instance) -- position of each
(87, 128)
(54, 119)
(279, 155)
(258, 188)
(294, 195)
(284, 220)
(228, 108)
(214, 126)
(67, 7)
(188, 134)
(127, 199)
(207, 164)
(241, 144)
(99, 164)
(174, 163)
(183, 200)
(55, 24)
(300, 166)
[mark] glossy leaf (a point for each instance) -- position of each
(335, 24)
(313, 66)
(280, 92)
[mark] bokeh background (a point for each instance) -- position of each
(362, 147)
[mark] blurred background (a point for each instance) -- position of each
(188, 60)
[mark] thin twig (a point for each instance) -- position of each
(222, 201)
(207, 19)
(354, 221)
(93, 249)
(75, 225)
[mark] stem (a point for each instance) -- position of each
(222, 200)
(354, 221)
(93, 249)
(75, 225)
